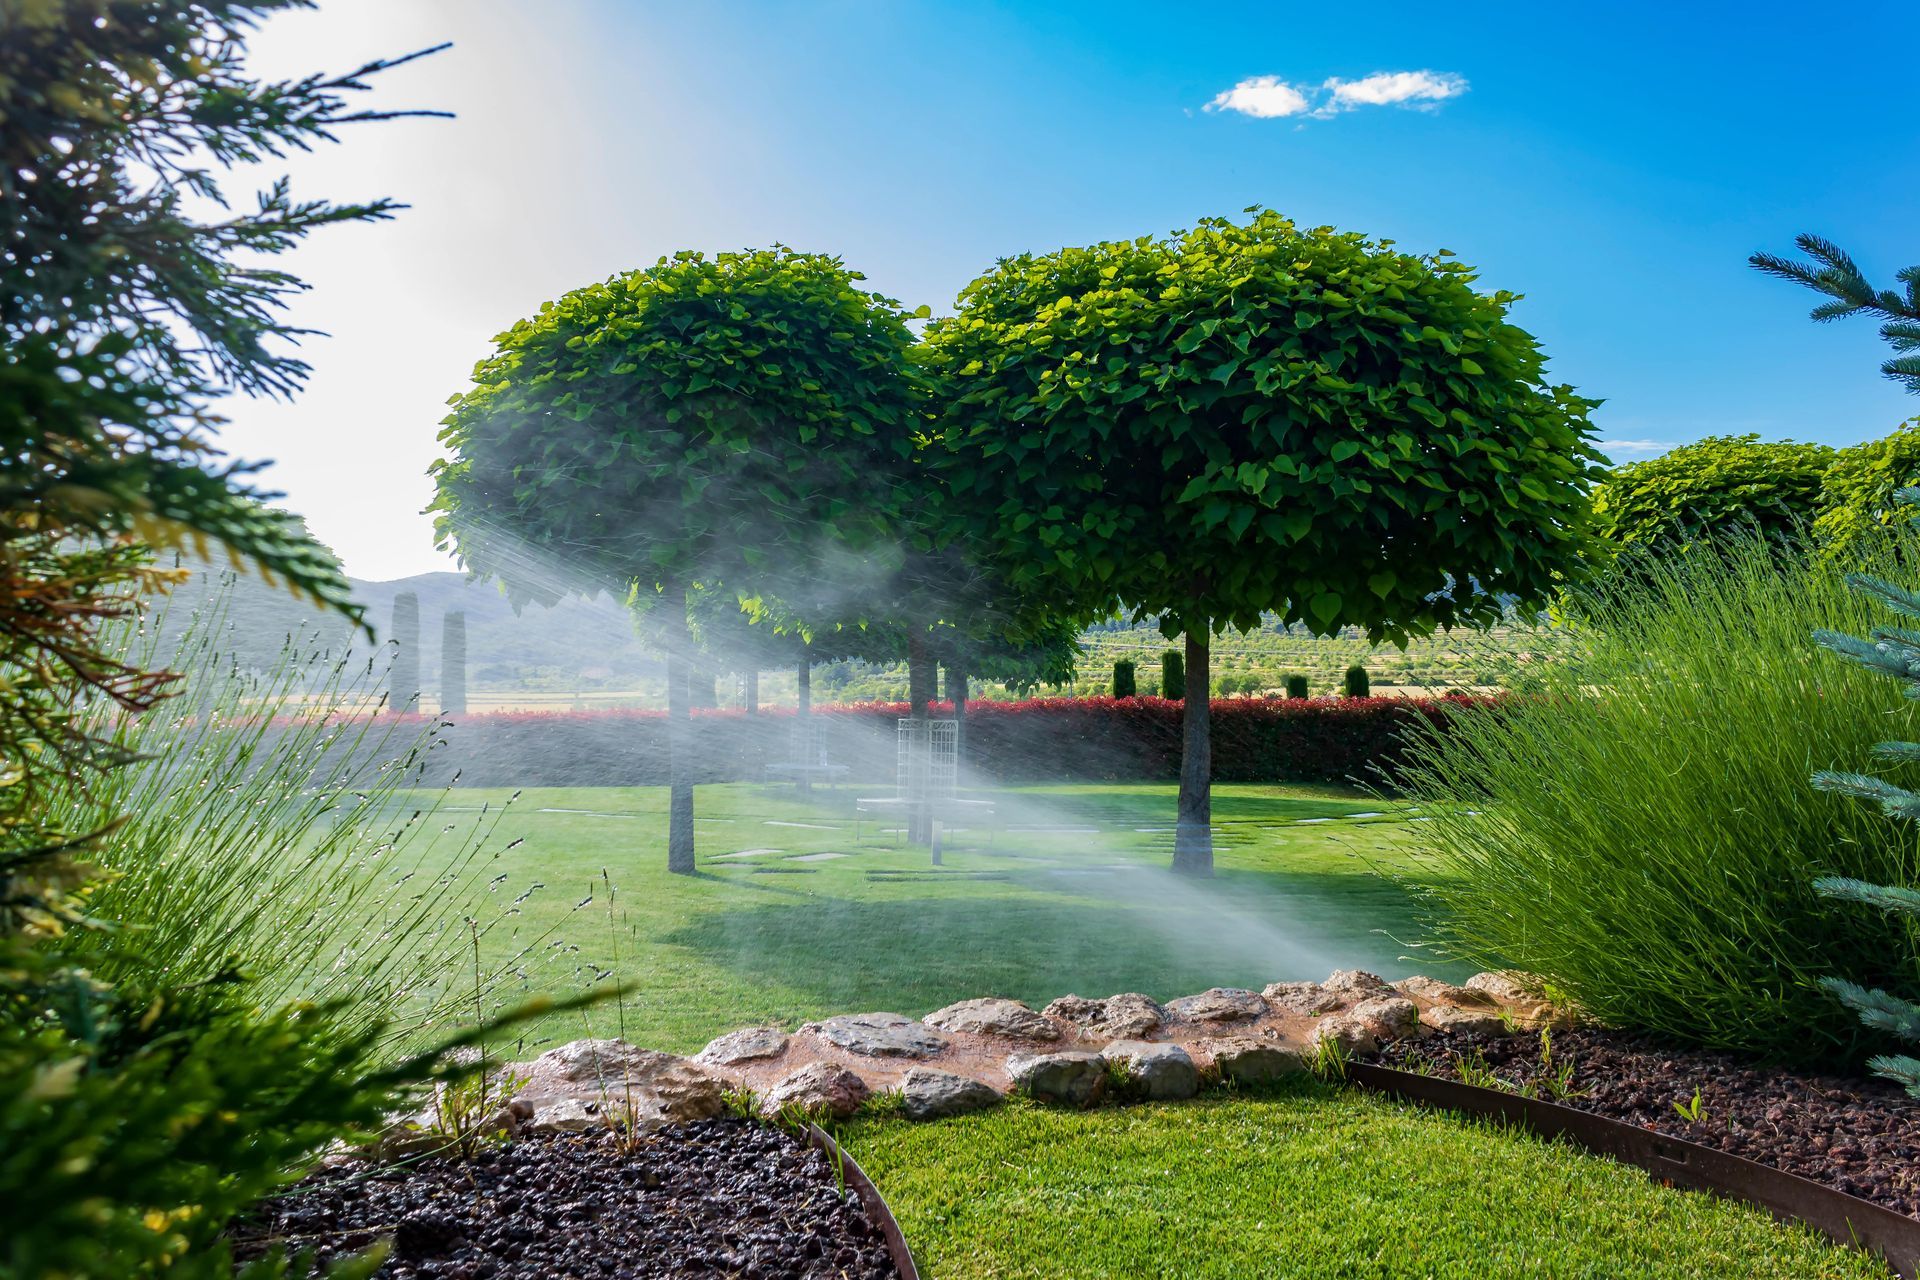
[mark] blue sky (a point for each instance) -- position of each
(1614, 165)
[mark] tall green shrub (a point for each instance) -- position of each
(1173, 676)
(1296, 686)
(403, 676)
(1357, 684)
(1638, 829)
(453, 663)
(1123, 679)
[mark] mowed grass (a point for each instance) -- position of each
(1308, 1184)
(1071, 894)
(791, 917)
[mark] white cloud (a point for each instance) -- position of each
(1262, 97)
(1633, 448)
(1423, 89)
(1271, 98)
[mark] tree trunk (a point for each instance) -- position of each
(753, 693)
(803, 718)
(957, 693)
(920, 677)
(679, 736)
(1193, 829)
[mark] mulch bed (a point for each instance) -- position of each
(716, 1198)
(1861, 1136)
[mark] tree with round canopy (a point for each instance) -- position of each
(1258, 416)
(1720, 485)
(730, 418)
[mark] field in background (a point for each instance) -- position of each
(791, 918)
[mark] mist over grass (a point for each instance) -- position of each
(1640, 828)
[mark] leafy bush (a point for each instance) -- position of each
(1123, 681)
(1856, 495)
(1296, 686)
(1357, 684)
(1173, 676)
(1640, 831)
(1736, 485)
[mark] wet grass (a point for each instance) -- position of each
(791, 917)
(1308, 1184)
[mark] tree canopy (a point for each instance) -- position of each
(743, 419)
(1714, 486)
(1258, 416)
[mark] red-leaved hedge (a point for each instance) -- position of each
(1039, 740)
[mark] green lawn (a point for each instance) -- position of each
(1310, 1184)
(1068, 894)
(1072, 895)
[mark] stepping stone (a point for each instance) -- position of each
(990, 1017)
(591, 813)
(1071, 1077)
(1367, 813)
(804, 826)
(929, 1095)
(1166, 1071)
(1220, 1004)
(743, 1046)
(816, 857)
(744, 853)
(879, 1035)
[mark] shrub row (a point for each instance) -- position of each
(1040, 740)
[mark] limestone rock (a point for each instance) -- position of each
(1446, 1017)
(562, 1115)
(1165, 1071)
(879, 1035)
(1250, 1061)
(1351, 1033)
(991, 1017)
(819, 1088)
(1387, 1017)
(1509, 987)
(743, 1046)
(657, 1088)
(1122, 1017)
(1302, 997)
(929, 1095)
(1071, 1076)
(1357, 984)
(1219, 1004)
(1432, 989)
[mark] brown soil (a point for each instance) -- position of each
(1860, 1136)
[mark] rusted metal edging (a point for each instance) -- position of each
(870, 1198)
(1850, 1220)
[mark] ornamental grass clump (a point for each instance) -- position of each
(1638, 828)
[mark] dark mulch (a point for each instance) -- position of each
(717, 1198)
(1861, 1136)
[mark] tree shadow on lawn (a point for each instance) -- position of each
(1132, 930)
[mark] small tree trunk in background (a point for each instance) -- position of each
(1193, 829)
(920, 677)
(403, 677)
(803, 716)
(453, 664)
(957, 692)
(753, 693)
(679, 735)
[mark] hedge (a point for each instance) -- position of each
(1039, 740)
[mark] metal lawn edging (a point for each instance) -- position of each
(1858, 1223)
(870, 1198)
